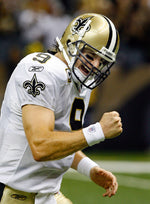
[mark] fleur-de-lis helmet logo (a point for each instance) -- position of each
(79, 24)
(34, 86)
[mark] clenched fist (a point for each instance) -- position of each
(111, 124)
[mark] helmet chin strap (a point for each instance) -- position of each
(69, 62)
(80, 75)
(61, 48)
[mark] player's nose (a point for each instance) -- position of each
(96, 62)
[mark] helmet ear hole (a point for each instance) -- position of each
(68, 41)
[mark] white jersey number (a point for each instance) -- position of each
(42, 57)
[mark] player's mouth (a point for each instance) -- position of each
(84, 70)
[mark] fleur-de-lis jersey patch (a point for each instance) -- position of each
(34, 86)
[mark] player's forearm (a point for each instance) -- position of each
(57, 145)
(47, 144)
(52, 145)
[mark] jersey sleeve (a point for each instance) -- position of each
(34, 84)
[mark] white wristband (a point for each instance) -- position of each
(85, 165)
(93, 134)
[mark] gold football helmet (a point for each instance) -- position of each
(97, 33)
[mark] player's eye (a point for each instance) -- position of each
(89, 57)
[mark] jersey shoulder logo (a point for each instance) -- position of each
(36, 69)
(79, 24)
(34, 86)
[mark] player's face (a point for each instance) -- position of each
(91, 58)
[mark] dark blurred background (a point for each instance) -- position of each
(32, 25)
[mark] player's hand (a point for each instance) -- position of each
(104, 179)
(111, 124)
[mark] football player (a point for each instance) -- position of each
(46, 99)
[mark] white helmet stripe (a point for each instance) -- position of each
(112, 35)
(117, 39)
